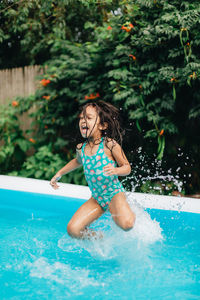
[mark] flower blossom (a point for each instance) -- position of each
(161, 132)
(173, 79)
(46, 97)
(32, 140)
(92, 96)
(193, 75)
(127, 28)
(45, 82)
(15, 103)
(132, 56)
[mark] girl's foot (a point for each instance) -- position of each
(91, 234)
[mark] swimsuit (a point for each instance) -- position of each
(103, 187)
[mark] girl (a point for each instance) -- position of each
(99, 125)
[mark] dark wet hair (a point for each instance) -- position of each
(108, 114)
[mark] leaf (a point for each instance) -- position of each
(174, 92)
(151, 133)
(39, 174)
(23, 144)
(161, 148)
(138, 125)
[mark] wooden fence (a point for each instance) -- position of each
(19, 82)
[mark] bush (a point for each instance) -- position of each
(14, 145)
(44, 164)
(143, 58)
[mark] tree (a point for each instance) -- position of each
(29, 28)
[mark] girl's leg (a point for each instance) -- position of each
(84, 216)
(121, 212)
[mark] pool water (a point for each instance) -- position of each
(158, 259)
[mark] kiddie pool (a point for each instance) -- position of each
(158, 259)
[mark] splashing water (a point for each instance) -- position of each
(115, 241)
(152, 176)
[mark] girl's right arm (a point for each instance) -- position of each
(70, 166)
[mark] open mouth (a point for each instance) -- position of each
(84, 129)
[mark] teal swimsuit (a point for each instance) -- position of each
(103, 187)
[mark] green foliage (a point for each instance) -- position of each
(44, 164)
(13, 143)
(142, 56)
(29, 28)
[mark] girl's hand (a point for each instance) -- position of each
(110, 170)
(54, 181)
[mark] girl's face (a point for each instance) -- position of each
(90, 123)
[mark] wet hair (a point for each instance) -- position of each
(109, 115)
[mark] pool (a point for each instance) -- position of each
(158, 259)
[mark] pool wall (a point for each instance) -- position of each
(82, 192)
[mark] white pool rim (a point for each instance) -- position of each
(184, 204)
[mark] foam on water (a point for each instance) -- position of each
(61, 273)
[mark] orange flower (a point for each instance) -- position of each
(92, 96)
(140, 86)
(109, 28)
(32, 140)
(127, 28)
(46, 97)
(15, 103)
(133, 57)
(161, 132)
(193, 75)
(172, 79)
(188, 44)
(45, 126)
(44, 82)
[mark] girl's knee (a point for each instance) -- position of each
(128, 223)
(73, 230)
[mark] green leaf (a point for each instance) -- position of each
(23, 144)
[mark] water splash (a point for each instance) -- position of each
(61, 273)
(152, 176)
(116, 242)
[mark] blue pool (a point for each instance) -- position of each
(158, 259)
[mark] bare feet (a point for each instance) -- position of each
(91, 234)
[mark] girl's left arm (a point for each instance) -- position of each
(123, 168)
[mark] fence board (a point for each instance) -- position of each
(19, 82)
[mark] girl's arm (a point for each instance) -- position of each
(123, 168)
(70, 166)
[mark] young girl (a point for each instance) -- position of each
(99, 156)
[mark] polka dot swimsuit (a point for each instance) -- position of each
(103, 187)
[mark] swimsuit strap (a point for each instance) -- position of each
(83, 150)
